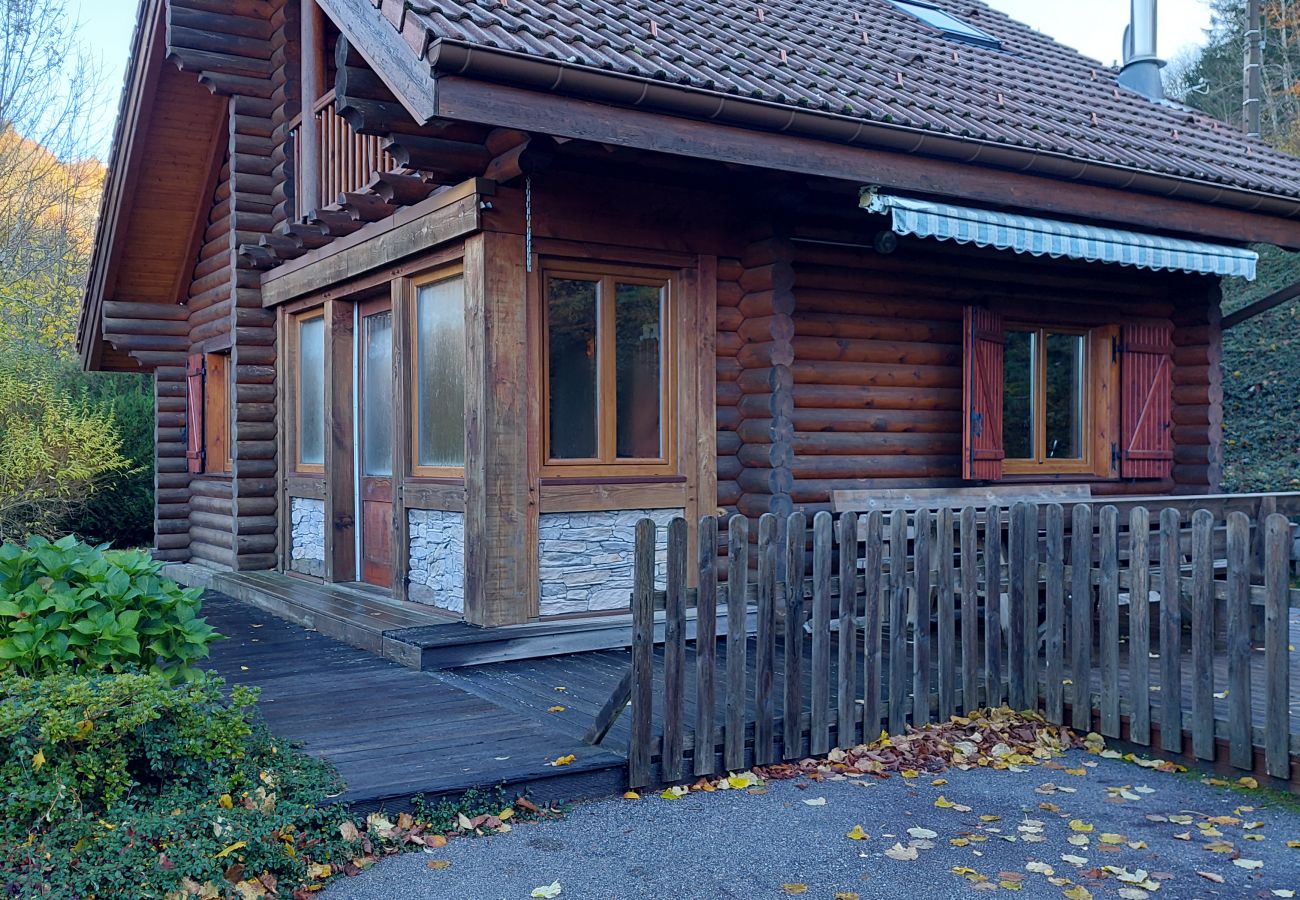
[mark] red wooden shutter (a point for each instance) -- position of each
(194, 413)
(984, 347)
(1146, 400)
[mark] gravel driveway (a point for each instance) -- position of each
(773, 842)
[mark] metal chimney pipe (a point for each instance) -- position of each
(1141, 71)
(1254, 82)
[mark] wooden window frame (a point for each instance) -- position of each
(295, 380)
(607, 464)
(413, 285)
(218, 412)
(1100, 383)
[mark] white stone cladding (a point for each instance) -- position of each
(437, 558)
(585, 558)
(307, 539)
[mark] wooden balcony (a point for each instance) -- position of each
(348, 161)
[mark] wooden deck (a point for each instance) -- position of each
(392, 732)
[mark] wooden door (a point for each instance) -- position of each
(374, 452)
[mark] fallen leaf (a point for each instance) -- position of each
(1283, 892)
(564, 760)
(1211, 876)
(438, 863)
(795, 888)
(556, 709)
(1077, 892)
(631, 795)
(1074, 860)
(237, 845)
(1247, 782)
(815, 801)
(1080, 826)
(38, 760)
(349, 832)
(547, 891)
(924, 834)
(901, 853)
(1132, 893)
(1248, 864)
(857, 834)
(846, 895)
(1039, 868)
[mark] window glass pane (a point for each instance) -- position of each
(1065, 388)
(377, 397)
(572, 364)
(311, 392)
(638, 322)
(1018, 396)
(440, 387)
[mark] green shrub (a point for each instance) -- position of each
(69, 606)
(134, 786)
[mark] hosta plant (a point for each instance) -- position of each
(67, 606)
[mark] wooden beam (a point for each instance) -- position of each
(386, 53)
(499, 503)
(1272, 301)
(313, 86)
(506, 106)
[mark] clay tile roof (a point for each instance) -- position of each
(868, 59)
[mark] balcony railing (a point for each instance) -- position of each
(347, 160)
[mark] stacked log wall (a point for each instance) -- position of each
(1198, 391)
(729, 319)
(171, 473)
(876, 371)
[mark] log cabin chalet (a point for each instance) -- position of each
(441, 297)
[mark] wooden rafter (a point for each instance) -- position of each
(1272, 301)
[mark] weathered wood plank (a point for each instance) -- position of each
(846, 686)
(1108, 619)
(1030, 591)
(643, 614)
(737, 583)
(947, 621)
(970, 651)
(1054, 700)
(1241, 753)
(1016, 568)
(1171, 633)
(706, 643)
(674, 652)
(897, 621)
(764, 705)
(1202, 634)
(1277, 686)
(873, 556)
(796, 536)
(819, 737)
(1081, 617)
(1139, 625)
(921, 622)
(993, 692)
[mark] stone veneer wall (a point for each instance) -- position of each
(307, 540)
(437, 558)
(585, 558)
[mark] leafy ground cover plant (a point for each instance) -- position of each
(69, 606)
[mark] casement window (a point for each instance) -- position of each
(609, 378)
(1045, 399)
(208, 413)
(439, 384)
(308, 373)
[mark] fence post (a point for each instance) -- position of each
(1055, 645)
(993, 606)
(1139, 625)
(897, 621)
(1277, 737)
(764, 707)
(1108, 619)
(819, 736)
(1203, 634)
(1029, 590)
(733, 744)
(1016, 602)
(643, 625)
(674, 651)
(846, 689)
(970, 612)
(1241, 751)
(706, 644)
(921, 623)
(947, 619)
(1081, 616)
(871, 639)
(1171, 635)
(792, 708)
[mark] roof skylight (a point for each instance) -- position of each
(951, 26)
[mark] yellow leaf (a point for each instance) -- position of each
(857, 834)
(795, 888)
(631, 795)
(1247, 782)
(944, 803)
(990, 818)
(435, 841)
(556, 709)
(910, 773)
(237, 845)
(1078, 892)
(317, 870)
(959, 842)
(225, 801)
(1080, 826)
(547, 891)
(938, 782)
(1109, 838)
(565, 760)
(1009, 885)
(38, 760)
(850, 895)
(1294, 845)
(438, 863)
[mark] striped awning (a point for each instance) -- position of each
(1048, 237)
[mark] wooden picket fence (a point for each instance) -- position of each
(890, 625)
